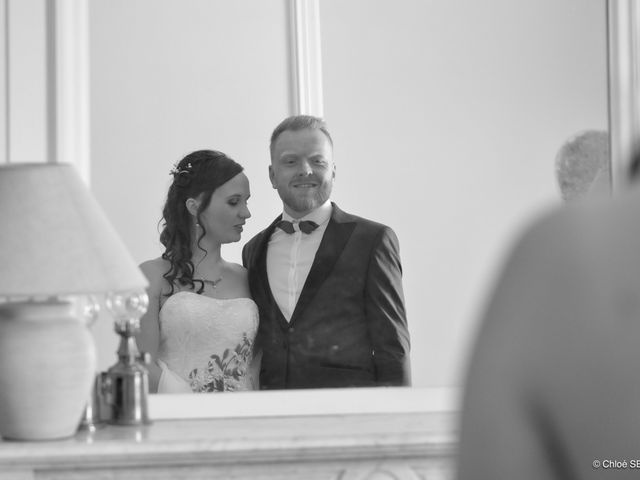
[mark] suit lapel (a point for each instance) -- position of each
(333, 242)
(259, 280)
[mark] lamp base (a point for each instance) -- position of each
(47, 366)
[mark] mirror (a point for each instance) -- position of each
(446, 119)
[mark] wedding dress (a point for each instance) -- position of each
(206, 344)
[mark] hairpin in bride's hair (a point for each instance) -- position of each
(175, 171)
(182, 176)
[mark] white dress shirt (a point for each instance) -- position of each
(290, 256)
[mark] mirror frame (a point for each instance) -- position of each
(68, 131)
(623, 21)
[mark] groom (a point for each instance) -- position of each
(328, 284)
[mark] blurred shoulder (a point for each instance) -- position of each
(591, 227)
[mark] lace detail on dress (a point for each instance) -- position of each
(208, 342)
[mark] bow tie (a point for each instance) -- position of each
(306, 226)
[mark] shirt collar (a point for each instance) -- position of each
(320, 215)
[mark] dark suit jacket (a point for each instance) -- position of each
(349, 326)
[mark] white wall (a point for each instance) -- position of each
(446, 117)
(169, 77)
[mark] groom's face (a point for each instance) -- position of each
(302, 170)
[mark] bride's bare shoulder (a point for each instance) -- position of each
(155, 269)
(237, 270)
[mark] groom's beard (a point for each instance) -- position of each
(305, 203)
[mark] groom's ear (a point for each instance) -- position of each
(272, 176)
(192, 206)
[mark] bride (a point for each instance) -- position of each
(201, 323)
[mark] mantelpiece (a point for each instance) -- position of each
(411, 444)
(402, 446)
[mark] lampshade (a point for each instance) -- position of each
(55, 239)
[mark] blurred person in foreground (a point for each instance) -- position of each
(553, 386)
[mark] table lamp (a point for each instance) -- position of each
(56, 244)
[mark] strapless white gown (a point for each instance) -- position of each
(206, 344)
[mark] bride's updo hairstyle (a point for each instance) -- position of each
(195, 176)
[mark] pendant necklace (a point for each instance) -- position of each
(212, 283)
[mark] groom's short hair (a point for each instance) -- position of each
(299, 122)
